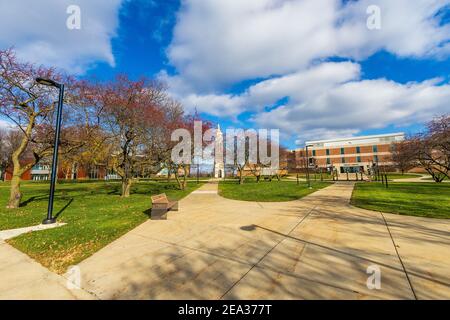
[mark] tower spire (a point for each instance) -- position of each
(219, 167)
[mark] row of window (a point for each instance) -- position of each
(358, 159)
(41, 167)
(358, 150)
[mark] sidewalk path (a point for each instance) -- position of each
(318, 247)
(23, 278)
(421, 178)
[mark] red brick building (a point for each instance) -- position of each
(42, 172)
(348, 154)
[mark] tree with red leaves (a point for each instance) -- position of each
(31, 108)
(138, 117)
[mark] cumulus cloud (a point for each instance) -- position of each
(353, 106)
(329, 100)
(220, 42)
(6, 125)
(37, 30)
(286, 43)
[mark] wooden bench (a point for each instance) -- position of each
(161, 205)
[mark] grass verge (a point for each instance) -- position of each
(415, 199)
(94, 212)
(275, 191)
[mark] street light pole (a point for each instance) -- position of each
(198, 171)
(50, 219)
(307, 167)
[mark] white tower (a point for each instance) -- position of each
(219, 168)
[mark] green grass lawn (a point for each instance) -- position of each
(94, 212)
(414, 199)
(275, 191)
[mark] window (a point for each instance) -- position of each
(342, 151)
(358, 159)
(40, 167)
(375, 148)
(328, 161)
(358, 150)
(314, 153)
(343, 160)
(93, 173)
(328, 152)
(375, 159)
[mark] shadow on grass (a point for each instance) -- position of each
(148, 212)
(32, 199)
(63, 208)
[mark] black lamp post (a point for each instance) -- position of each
(307, 166)
(198, 171)
(47, 82)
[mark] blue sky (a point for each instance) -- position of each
(313, 69)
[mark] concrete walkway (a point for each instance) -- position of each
(421, 178)
(12, 233)
(315, 248)
(23, 278)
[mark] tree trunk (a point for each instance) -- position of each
(126, 187)
(179, 182)
(241, 175)
(187, 170)
(15, 194)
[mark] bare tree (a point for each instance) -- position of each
(188, 123)
(431, 148)
(403, 156)
(427, 158)
(31, 108)
(438, 137)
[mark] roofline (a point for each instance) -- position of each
(356, 138)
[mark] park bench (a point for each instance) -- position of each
(161, 205)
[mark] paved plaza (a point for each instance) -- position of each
(318, 247)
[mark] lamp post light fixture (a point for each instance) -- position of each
(307, 166)
(198, 171)
(48, 82)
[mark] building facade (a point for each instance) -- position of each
(352, 155)
(42, 172)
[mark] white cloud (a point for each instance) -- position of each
(299, 85)
(6, 125)
(220, 42)
(37, 30)
(329, 100)
(408, 28)
(217, 42)
(348, 108)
